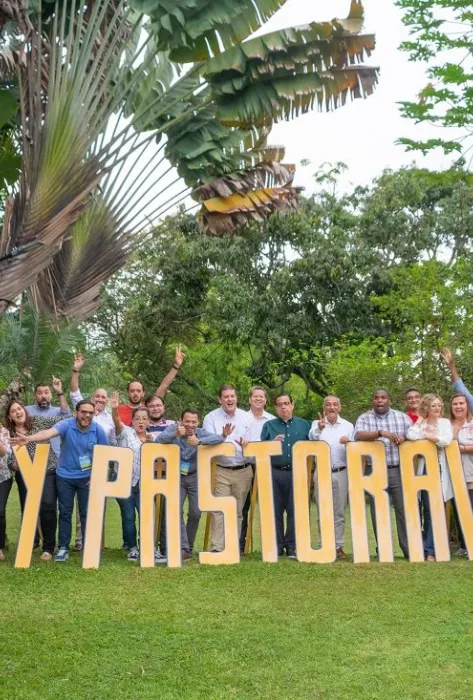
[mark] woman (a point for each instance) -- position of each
(6, 481)
(18, 423)
(462, 425)
(432, 426)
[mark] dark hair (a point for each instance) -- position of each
(82, 402)
(42, 384)
(468, 409)
(134, 381)
(226, 387)
(194, 412)
(139, 408)
(9, 424)
(378, 389)
(411, 388)
(280, 396)
(149, 398)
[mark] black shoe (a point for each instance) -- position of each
(291, 554)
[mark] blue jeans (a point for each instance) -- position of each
(66, 491)
(128, 508)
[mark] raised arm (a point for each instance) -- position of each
(40, 436)
(114, 404)
(57, 386)
(172, 374)
(76, 370)
(447, 357)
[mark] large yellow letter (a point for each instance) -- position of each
(33, 473)
(168, 487)
(461, 496)
(302, 454)
(225, 504)
(375, 484)
(263, 451)
(411, 485)
(100, 489)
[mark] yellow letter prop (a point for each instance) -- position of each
(460, 491)
(33, 473)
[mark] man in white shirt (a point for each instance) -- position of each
(99, 399)
(336, 432)
(234, 474)
(258, 416)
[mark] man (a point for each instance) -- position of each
(188, 436)
(78, 437)
(390, 427)
(156, 408)
(288, 430)
(258, 416)
(234, 474)
(99, 398)
(458, 385)
(336, 432)
(135, 390)
(412, 399)
(42, 406)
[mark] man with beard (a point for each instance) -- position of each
(42, 406)
(336, 432)
(135, 390)
(390, 427)
(78, 437)
(156, 409)
(234, 474)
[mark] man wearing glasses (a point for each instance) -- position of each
(288, 430)
(78, 437)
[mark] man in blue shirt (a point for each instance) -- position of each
(78, 436)
(288, 430)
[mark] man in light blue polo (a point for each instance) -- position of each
(78, 436)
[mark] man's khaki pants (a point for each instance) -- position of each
(340, 502)
(229, 482)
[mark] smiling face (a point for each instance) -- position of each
(156, 409)
(140, 422)
(459, 407)
(135, 393)
(85, 415)
(43, 396)
(433, 409)
(190, 421)
(332, 408)
(257, 400)
(17, 414)
(413, 401)
(228, 400)
(100, 399)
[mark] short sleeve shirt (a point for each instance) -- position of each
(77, 448)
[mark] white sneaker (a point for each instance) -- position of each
(133, 554)
(461, 552)
(159, 558)
(62, 555)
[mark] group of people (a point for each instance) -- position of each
(142, 419)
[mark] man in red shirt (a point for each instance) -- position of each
(412, 398)
(135, 390)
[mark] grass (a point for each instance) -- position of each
(286, 630)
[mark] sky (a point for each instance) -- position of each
(363, 132)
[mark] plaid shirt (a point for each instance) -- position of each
(128, 438)
(393, 421)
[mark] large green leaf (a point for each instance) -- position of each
(189, 28)
(8, 107)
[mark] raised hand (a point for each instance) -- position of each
(57, 385)
(78, 362)
(114, 400)
(179, 357)
(193, 440)
(227, 430)
(447, 355)
(322, 421)
(180, 430)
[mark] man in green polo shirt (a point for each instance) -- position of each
(288, 430)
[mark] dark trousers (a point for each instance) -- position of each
(424, 511)
(5, 488)
(66, 491)
(395, 494)
(284, 503)
(22, 491)
(244, 513)
(461, 539)
(189, 529)
(48, 512)
(128, 509)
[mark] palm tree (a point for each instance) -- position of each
(117, 95)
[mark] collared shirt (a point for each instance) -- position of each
(460, 388)
(188, 452)
(50, 412)
(77, 446)
(125, 411)
(256, 425)
(103, 418)
(214, 422)
(393, 421)
(129, 438)
(160, 426)
(413, 416)
(294, 430)
(331, 434)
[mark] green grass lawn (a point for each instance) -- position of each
(286, 630)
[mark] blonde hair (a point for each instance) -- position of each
(427, 401)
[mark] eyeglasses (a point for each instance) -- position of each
(86, 413)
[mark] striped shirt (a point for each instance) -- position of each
(393, 422)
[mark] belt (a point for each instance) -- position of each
(238, 466)
(338, 469)
(393, 466)
(283, 467)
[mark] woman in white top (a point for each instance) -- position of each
(432, 426)
(462, 425)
